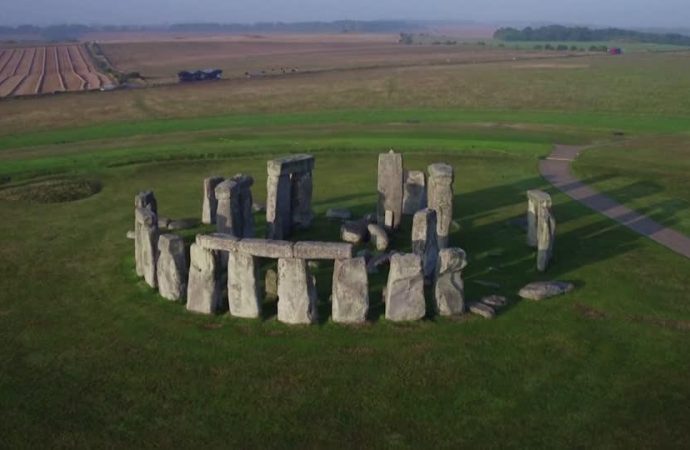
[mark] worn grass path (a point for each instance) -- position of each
(557, 170)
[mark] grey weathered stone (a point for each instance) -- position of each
(390, 189)
(540, 290)
(291, 164)
(321, 250)
(354, 232)
(495, 301)
(228, 207)
(440, 199)
(483, 310)
(364, 253)
(271, 283)
(377, 261)
(131, 234)
(424, 239)
(266, 248)
(243, 223)
(339, 213)
(296, 292)
(278, 212)
(258, 207)
(183, 224)
(171, 268)
(218, 241)
(546, 235)
(449, 288)
(146, 244)
(378, 237)
(350, 291)
(204, 286)
(414, 191)
(302, 188)
(388, 220)
(243, 288)
(146, 199)
(536, 199)
(405, 289)
(210, 204)
(163, 222)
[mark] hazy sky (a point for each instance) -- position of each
(603, 12)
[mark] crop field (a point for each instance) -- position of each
(47, 69)
(91, 357)
(271, 55)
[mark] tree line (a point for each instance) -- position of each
(584, 34)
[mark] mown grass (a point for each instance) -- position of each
(91, 357)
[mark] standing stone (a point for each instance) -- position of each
(210, 204)
(535, 201)
(390, 189)
(278, 198)
(204, 288)
(414, 195)
(449, 289)
(296, 292)
(229, 208)
(271, 283)
(172, 267)
(405, 289)
(440, 199)
(241, 207)
(350, 290)
(146, 199)
(146, 244)
(302, 189)
(243, 287)
(424, 240)
(546, 235)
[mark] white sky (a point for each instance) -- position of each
(647, 13)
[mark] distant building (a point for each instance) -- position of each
(200, 75)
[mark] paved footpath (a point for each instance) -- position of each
(556, 170)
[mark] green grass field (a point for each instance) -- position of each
(91, 357)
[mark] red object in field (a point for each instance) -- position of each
(616, 51)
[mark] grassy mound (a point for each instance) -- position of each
(52, 191)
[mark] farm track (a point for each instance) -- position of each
(92, 68)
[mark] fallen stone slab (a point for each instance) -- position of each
(339, 214)
(540, 290)
(378, 237)
(218, 241)
(266, 248)
(494, 301)
(354, 232)
(182, 224)
(163, 222)
(321, 250)
(350, 291)
(483, 310)
(405, 289)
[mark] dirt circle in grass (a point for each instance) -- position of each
(52, 191)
